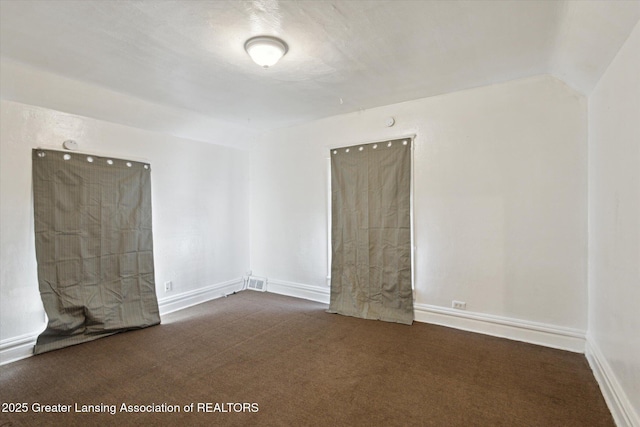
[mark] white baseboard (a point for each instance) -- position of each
(505, 327)
(519, 330)
(198, 296)
(299, 290)
(623, 413)
(21, 347)
(17, 348)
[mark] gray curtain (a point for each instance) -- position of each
(94, 246)
(371, 231)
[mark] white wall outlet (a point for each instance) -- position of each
(460, 305)
(168, 286)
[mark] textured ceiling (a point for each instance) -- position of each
(344, 55)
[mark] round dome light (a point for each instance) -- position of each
(266, 50)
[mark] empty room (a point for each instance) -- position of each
(353, 213)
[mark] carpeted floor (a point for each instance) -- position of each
(259, 359)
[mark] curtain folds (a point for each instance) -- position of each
(94, 246)
(371, 231)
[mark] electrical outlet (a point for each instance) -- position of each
(168, 286)
(460, 305)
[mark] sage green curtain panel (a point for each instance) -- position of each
(371, 231)
(94, 246)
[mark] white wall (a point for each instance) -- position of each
(199, 199)
(500, 198)
(28, 85)
(614, 227)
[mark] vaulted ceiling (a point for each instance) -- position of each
(343, 56)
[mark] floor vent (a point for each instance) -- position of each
(257, 284)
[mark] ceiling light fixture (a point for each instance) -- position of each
(265, 50)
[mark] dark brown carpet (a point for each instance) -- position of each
(303, 367)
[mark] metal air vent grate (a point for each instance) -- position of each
(257, 284)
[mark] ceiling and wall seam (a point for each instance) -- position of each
(344, 57)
